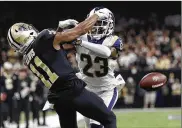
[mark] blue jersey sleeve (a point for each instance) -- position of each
(118, 44)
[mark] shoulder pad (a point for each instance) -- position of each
(46, 33)
(113, 41)
(118, 44)
(110, 40)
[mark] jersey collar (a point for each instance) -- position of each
(96, 41)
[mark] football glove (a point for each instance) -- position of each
(66, 23)
(121, 82)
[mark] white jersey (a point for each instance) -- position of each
(97, 72)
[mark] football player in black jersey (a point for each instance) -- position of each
(46, 58)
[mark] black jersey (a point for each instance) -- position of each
(50, 65)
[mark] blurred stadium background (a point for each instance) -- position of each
(151, 32)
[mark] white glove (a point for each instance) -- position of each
(102, 13)
(79, 75)
(66, 23)
(48, 106)
(120, 82)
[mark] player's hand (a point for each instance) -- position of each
(66, 23)
(120, 81)
(102, 13)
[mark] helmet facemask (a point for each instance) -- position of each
(99, 30)
(103, 27)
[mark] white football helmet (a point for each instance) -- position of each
(103, 27)
(21, 36)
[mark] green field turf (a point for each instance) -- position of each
(140, 118)
(156, 119)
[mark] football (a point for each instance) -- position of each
(153, 81)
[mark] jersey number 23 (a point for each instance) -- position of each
(103, 67)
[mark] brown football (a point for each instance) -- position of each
(153, 81)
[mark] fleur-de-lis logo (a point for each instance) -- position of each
(155, 78)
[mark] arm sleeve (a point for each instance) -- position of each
(98, 49)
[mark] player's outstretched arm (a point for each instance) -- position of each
(77, 31)
(98, 49)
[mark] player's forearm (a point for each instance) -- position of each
(98, 49)
(86, 25)
(74, 33)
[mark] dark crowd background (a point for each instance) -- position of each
(151, 33)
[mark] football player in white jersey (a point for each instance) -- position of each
(96, 56)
